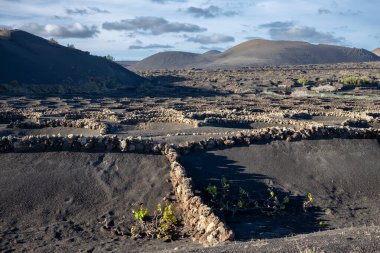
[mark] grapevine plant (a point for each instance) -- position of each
(227, 202)
(162, 224)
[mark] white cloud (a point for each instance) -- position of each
(211, 39)
(75, 30)
(150, 46)
(151, 25)
(290, 31)
(210, 12)
(314, 21)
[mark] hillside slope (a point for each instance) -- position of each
(258, 52)
(174, 60)
(376, 51)
(29, 60)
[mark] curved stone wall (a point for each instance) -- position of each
(199, 219)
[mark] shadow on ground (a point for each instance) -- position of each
(160, 86)
(231, 125)
(168, 79)
(208, 169)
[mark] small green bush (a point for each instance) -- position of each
(225, 200)
(355, 80)
(308, 203)
(140, 214)
(303, 81)
(53, 41)
(161, 225)
(109, 57)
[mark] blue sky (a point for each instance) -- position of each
(132, 30)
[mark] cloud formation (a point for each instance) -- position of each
(75, 30)
(151, 46)
(165, 1)
(352, 23)
(77, 12)
(215, 49)
(322, 11)
(97, 10)
(211, 39)
(89, 10)
(349, 12)
(277, 25)
(209, 12)
(290, 31)
(151, 25)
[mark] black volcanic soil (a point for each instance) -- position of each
(30, 60)
(53, 202)
(342, 175)
(59, 197)
(47, 130)
(355, 239)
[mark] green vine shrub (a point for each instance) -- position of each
(229, 202)
(355, 80)
(162, 224)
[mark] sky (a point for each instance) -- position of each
(133, 30)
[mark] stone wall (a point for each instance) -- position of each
(165, 116)
(288, 117)
(277, 133)
(72, 142)
(79, 123)
(199, 219)
(46, 143)
(9, 116)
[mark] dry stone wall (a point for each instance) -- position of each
(80, 123)
(199, 219)
(9, 116)
(164, 115)
(289, 117)
(141, 145)
(42, 143)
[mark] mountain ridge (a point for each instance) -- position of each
(257, 52)
(31, 60)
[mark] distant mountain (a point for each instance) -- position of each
(126, 63)
(376, 51)
(28, 61)
(266, 52)
(173, 60)
(258, 52)
(212, 52)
